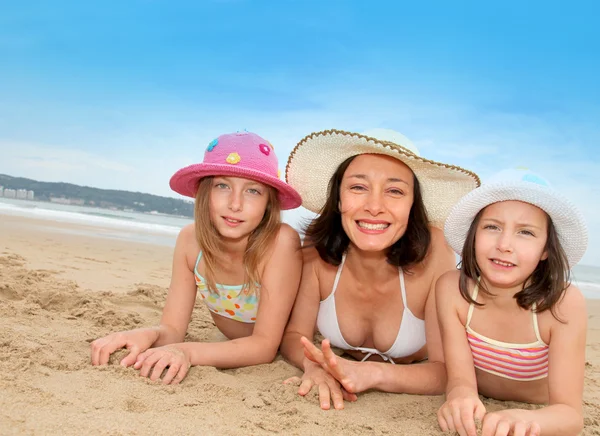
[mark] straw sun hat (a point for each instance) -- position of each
(315, 159)
(522, 185)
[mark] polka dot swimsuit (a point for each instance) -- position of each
(229, 301)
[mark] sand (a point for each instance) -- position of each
(59, 291)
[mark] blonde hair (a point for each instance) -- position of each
(259, 242)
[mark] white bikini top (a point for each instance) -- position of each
(410, 338)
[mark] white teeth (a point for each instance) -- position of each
(232, 221)
(502, 263)
(370, 226)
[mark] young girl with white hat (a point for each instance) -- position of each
(513, 327)
(237, 255)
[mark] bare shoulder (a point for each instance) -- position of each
(186, 240)
(440, 257)
(572, 306)
(288, 237)
(446, 288)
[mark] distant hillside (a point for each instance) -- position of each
(106, 198)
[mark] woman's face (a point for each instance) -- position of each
(376, 195)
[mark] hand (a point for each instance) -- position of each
(508, 422)
(136, 341)
(460, 413)
(329, 388)
(160, 358)
(354, 377)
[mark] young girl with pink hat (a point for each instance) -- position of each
(513, 327)
(237, 255)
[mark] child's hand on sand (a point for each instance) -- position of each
(460, 413)
(136, 341)
(354, 377)
(158, 359)
(509, 422)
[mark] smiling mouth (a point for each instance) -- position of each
(502, 263)
(372, 226)
(232, 220)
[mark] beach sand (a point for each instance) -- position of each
(59, 291)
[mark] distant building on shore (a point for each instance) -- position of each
(9, 193)
(21, 194)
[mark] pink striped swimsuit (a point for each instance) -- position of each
(522, 362)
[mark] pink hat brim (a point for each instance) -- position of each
(186, 180)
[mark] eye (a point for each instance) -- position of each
(221, 185)
(527, 232)
(254, 191)
(358, 188)
(491, 227)
(396, 191)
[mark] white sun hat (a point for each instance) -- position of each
(522, 185)
(316, 157)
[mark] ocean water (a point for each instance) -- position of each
(135, 226)
(163, 229)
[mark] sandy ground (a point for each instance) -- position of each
(59, 291)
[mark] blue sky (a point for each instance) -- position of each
(120, 94)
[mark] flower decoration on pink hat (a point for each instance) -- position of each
(264, 149)
(233, 158)
(212, 144)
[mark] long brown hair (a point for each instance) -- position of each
(546, 285)
(259, 242)
(327, 235)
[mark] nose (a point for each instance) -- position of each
(504, 242)
(236, 201)
(374, 203)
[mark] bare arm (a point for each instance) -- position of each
(182, 292)
(304, 314)
(564, 414)
(279, 287)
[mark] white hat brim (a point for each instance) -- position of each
(568, 221)
(315, 159)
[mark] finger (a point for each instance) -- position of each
(535, 429)
(520, 429)
(349, 396)
(305, 386)
(292, 381)
(131, 358)
(479, 411)
(183, 370)
(490, 422)
(309, 356)
(148, 363)
(457, 420)
(447, 413)
(468, 421)
(139, 361)
(171, 373)
(336, 394)
(324, 396)
(108, 349)
(442, 419)
(95, 347)
(314, 353)
(160, 366)
(502, 428)
(333, 363)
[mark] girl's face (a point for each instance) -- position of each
(376, 195)
(237, 206)
(510, 241)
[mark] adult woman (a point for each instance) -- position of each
(371, 260)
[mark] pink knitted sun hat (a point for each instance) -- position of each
(241, 154)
